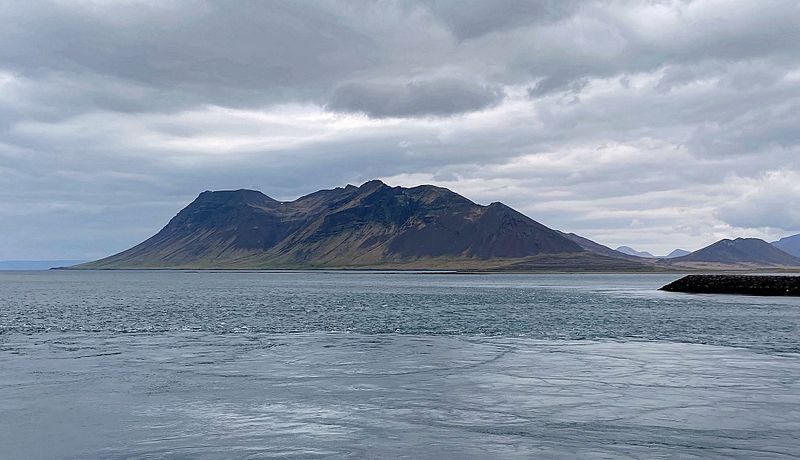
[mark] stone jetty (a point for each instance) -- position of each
(737, 284)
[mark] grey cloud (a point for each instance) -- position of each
(608, 39)
(256, 53)
(441, 97)
(474, 18)
(769, 213)
(230, 53)
(121, 111)
(765, 208)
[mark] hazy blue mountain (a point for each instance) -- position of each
(677, 253)
(789, 245)
(36, 264)
(597, 248)
(633, 252)
(373, 225)
(646, 255)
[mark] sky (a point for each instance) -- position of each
(653, 124)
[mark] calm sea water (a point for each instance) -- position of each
(391, 365)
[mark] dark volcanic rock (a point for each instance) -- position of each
(737, 284)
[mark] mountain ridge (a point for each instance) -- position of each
(372, 225)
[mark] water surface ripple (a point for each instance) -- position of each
(159, 365)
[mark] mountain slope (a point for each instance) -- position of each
(789, 245)
(741, 252)
(598, 248)
(373, 225)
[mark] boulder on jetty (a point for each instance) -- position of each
(737, 284)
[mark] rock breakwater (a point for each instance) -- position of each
(763, 285)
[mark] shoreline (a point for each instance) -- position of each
(722, 271)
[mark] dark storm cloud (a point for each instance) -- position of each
(231, 53)
(437, 97)
(618, 119)
(473, 18)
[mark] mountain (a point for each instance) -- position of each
(738, 253)
(598, 248)
(646, 255)
(677, 253)
(374, 226)
(633, 252)
(789, 245)
(36, 264)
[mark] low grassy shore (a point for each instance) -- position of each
(763, 285)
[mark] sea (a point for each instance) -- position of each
(337, 364)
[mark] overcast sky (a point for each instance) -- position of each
(655, 124)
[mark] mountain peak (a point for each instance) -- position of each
(239, 194)
(372, 184)
(740, 251)
(240, 191)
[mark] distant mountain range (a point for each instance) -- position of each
(36, 264)
(646, 255)
(377, 226)
(597, 248)
(633, 252)
(677, 253)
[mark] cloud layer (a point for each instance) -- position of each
(655, 124)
